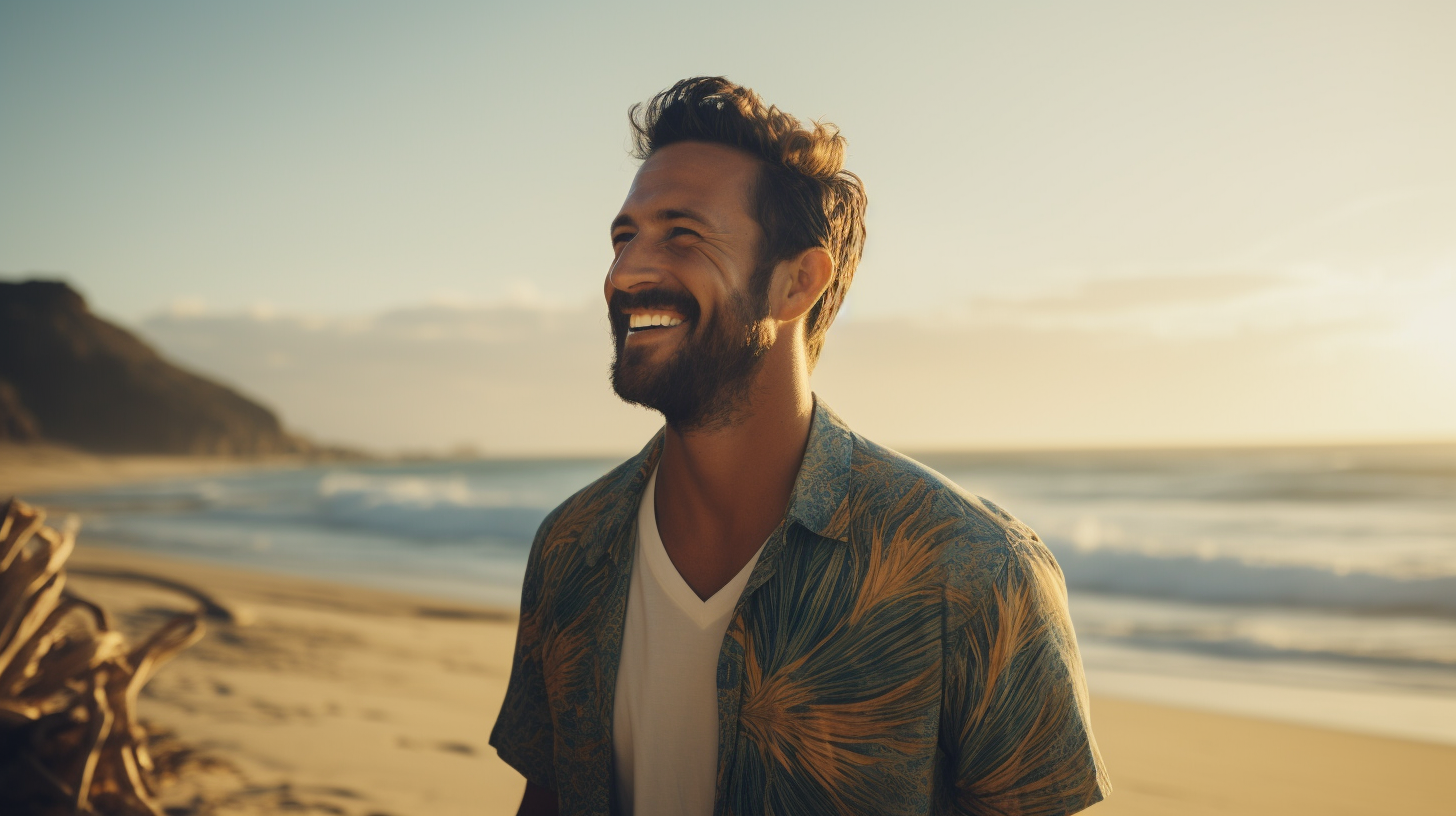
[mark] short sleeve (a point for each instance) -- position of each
(1016, 727)
(523, 734)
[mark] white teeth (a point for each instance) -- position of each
(641, 321)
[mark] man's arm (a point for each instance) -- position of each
(1016, 721)
(522, 735)
(538, 801)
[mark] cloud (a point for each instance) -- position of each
(1119, 295)
(504, 380)
(1366, 306)
(1305, 354)
(919, 387)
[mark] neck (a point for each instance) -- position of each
(738, 479)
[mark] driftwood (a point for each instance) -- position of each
(69, 739)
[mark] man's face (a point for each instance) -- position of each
(687, 311)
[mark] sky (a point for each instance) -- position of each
(1090, 224)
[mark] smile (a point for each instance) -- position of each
(647, 322)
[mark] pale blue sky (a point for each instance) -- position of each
(345, 157)
(1154, 222)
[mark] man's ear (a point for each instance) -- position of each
(799, 282)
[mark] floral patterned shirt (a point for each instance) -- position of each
(901, 647)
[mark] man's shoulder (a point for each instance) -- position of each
(920, 506)
(583, 511)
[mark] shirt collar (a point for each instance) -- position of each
(614, 525)
(823, 482)
(819, 491)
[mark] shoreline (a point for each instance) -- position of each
(1338, 700)
(34, 469)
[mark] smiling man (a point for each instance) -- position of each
(763, 612)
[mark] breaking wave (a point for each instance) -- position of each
(434, 507)
(1234, 581)
(439, 507)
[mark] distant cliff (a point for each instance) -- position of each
(68, 376)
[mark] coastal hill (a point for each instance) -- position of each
(69, 377)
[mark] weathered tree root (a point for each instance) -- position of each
(69, 739)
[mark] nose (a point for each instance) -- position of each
(635, 267)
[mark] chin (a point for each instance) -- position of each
(637, 379)
(701, 382)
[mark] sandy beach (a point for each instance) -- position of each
(320, 698)
(333, 699)
(314, 697)
(26, 470)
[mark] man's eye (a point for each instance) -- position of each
(679, 231)
(622, 238)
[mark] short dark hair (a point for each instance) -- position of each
(804, 197)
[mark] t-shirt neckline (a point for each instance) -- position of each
(702, 612)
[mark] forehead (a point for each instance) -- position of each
(715, 180)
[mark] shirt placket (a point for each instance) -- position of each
(730, 668)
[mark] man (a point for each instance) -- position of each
(763, 612)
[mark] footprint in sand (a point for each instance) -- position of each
(456, 748)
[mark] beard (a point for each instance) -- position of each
(705, 383)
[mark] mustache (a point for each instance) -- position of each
(680, 302)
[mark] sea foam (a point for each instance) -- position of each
(426, 507)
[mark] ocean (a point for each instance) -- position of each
(1312, 584)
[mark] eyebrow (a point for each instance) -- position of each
(671, 214)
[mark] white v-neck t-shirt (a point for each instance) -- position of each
(665, 718)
